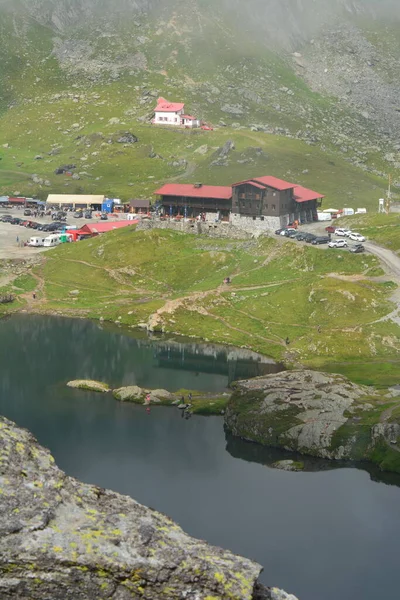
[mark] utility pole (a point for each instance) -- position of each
(389, 195)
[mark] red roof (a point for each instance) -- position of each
(302, 194)
(104, 227)
(164, 106)
(190, 191)
(189, 117)
(274, 182)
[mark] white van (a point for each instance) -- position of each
(36, 241)
(52, 240)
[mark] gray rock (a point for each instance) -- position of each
(64, 540)
(320, 414)
(127, 138)
(233, 109)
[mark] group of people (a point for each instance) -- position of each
(185, 407)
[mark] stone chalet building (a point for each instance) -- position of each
(173, 113)
(262, 203)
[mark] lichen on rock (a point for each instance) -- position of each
(62, 539)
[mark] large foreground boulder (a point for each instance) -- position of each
(64, 540)
(320, 414)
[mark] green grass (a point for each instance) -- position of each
(278, 291)
(381, 228)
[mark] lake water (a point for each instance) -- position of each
(325, 534)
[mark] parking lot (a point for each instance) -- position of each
(13, 237)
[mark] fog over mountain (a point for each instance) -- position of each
(326, 72)
(285, 20)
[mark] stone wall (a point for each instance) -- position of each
(259, 225)
(222, 229)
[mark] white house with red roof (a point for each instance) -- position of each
(173, 113)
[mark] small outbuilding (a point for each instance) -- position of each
(139, 206)
(76, 201)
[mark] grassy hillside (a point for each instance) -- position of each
(67, 96)
(327, 303)
(381, 228)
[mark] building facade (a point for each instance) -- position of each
(173, 113)
(191, 201)
(168, 113)
(271, 203)
(263, 203)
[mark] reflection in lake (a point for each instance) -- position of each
(326, 535)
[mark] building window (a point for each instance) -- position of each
(274, 193)
(273, 207)
(262, 218)
(254, 218)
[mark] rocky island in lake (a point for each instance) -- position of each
(319, 414)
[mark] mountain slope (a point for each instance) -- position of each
(69, 66)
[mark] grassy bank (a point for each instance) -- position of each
(323, 303)
(381, 228)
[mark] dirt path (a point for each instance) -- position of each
(390, 259)
(39, 293)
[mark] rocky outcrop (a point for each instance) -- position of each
(319, 414)
(89, 384)
(62, 539)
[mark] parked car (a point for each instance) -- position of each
(330, 229)
(27, 212)
(6, 218)
(337, 244)
(104, 217)
(88, 214)
(320, 240)
(309, 237)
(289, 233)
(356, 237)
(357, 249)
(299, 236)
(15, 221)
(78, 214)
(279, 231)
(343, 232)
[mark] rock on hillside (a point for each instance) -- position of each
(62, 539)
(319, 414)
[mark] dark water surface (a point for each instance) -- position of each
(325, 534)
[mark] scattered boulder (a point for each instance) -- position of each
(288, 465)
(127, 138)
(64, 169)
(131, 393)
(90, 385)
